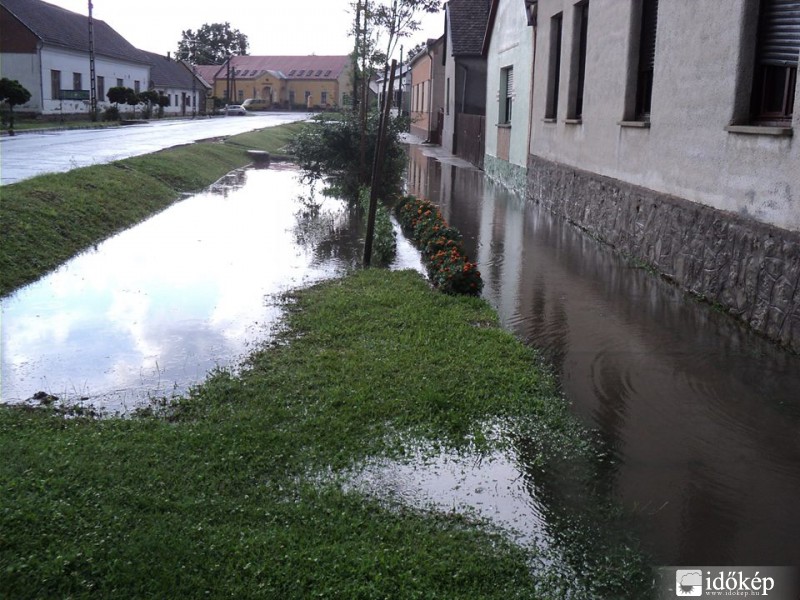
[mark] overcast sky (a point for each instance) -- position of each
(273, 27)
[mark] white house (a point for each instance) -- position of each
(509, 50)
(46, 48)
(176, 80)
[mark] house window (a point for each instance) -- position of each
(506, 94)
(101, 87)
(308, 98)
(55, 85)
(136, 86)
(240, 94)
(77, 82)
(291, 98)
(120, 83)
(324, 98)
(777, 52)
(581, 28)
(554, 71)
(647, 59)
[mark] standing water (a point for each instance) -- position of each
(700, 415)
(149, 312)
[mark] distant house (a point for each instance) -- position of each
(173, 78)
(46, 48)
(285, 81)
(465, 79)
(427, 91)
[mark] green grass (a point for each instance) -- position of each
(48, 219)
(231, 493)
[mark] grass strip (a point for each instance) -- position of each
(231, 493)
(46, 220)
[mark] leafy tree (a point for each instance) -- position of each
(150, 99)
(118, 94)
(416, 50)
(212, 44)
(13, 93)
(132, 99)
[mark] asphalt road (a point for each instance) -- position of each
(29, 154)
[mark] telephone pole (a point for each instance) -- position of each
(92, 78)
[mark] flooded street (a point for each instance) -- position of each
(147, 313)
(700, 417)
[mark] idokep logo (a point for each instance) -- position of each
(688, 582)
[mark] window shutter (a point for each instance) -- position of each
(647, 52)
(780, 33)
(510, 83)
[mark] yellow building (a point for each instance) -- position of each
(315, 82)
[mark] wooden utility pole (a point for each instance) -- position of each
(377, 170)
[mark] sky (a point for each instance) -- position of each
(273, 27)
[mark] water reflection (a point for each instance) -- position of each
(149, 312)
(701, 416)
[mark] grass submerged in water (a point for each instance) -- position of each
(221, 495)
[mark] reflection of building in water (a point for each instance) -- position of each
(424, 174)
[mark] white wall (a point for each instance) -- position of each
(511, 45)
(69, 62)
(702, 68)
(25, 69)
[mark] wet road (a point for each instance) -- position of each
(29, 154)
(700, 416)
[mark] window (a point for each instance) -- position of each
(554, 71)
(506, 94)
(777, 51)
(291, 98)
(55, 85)
(581, 28)
(324, 98)
(647, 59)
(119, 82)
(101, 88)
(77, 82)
(136, 86)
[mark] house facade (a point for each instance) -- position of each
(427, 92)
(509, 50)
(45, 48)
(465, 79)
(174, 79)
(312, 82)
(667, 130)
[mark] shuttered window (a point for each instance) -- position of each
(777, 54)
(554, 70)
(647, 59)
(583, 30)
(506, 94)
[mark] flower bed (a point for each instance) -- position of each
(441, 246)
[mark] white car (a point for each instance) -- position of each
(235, 109)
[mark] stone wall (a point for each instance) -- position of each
(510, 176)
(752, 270)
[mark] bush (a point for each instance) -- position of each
(326, 148)
(111, 114)
(384, 241)
(441, 246)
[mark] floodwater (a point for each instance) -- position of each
(700, 416)
(149, 312)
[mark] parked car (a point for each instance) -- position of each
(235, 109)
(255, 104)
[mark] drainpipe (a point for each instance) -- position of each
(430, 92)
(532, 14)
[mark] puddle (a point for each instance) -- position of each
(149, 312)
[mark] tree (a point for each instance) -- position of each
(132, 99)
(13, 93)
(118, 94)
(212, 44)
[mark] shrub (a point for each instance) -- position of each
(384, 241)
(111, 114)
(441, 246)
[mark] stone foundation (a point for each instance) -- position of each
(510, 176)
(750, 269)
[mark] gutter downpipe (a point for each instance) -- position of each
(533, 22)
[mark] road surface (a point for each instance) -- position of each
(29, 154)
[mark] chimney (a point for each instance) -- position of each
(168, 56)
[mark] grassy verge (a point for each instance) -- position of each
(231, 493)
(48, 219)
